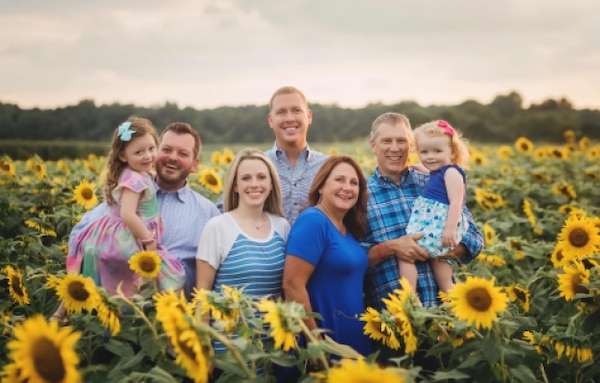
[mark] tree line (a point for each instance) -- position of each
(502, 120)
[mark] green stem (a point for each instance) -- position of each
(234, 351)
(139, 312)
(311, 338)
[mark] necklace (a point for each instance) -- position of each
(263, 219)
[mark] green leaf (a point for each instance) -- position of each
(522, 373)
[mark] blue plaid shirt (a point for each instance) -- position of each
(295, 181)
(389, 209)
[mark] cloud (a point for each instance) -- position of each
(209, 53)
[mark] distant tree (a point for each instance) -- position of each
(508, 105)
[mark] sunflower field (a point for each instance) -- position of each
(525, 310)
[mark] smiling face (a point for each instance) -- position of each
(340, 190)
(290, 118)
(140, 153)
(434, 151)
(253, 182)
(175, 160)
(391, 145)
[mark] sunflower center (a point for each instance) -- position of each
(479, 299)
(147, 264)
(87, 193)
(520, 295)
(579, 237)
(16, 285)
(211, 180)
(577, 287)
(47, 361)
(4, 165)
(78, 291)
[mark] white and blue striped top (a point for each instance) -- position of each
(241, 260)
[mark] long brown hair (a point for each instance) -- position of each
(115, 166)
(355, 219)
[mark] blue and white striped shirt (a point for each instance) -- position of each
(389, 208)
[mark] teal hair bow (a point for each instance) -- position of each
(124, 131)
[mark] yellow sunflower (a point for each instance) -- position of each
(192, 349)
(559, 258)
(584, 143)
(493, 260)
(517, 293)
(16, 288)
(283, 336)
(85, 194)
(568, 209)
(146, 263)
(489, 234)
(36, 225)
(227, 157)
(579, 236)
(37, 166)
(572, 280)
(523, 145)
(77, 292)
(528, 210)
(211, 180)
(488, 200)
(359, 371)
(558, 153)
(169, 303)
(44, 352)
(478, 159)
(378, 328)
(564, 189)
(505, 152)
(593, 153)
(8, 167)
(216, 158)
(540, 176)
(540, 154)
(591, 174)
(108, 315)
(477, 301)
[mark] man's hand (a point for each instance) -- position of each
(406, 248)
(456, 253)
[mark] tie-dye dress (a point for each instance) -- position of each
(102, 250)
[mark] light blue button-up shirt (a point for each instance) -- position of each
(295, 181)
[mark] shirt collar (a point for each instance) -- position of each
(385, 179)
(181, 192)
(280, 152)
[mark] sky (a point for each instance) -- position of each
(210, 53)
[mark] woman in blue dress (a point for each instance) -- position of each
(325, 264)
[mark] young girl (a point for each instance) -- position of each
(131, 222)
(438, 212)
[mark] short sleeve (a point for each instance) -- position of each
(307, 239)
(132, 180)
(280, 225)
